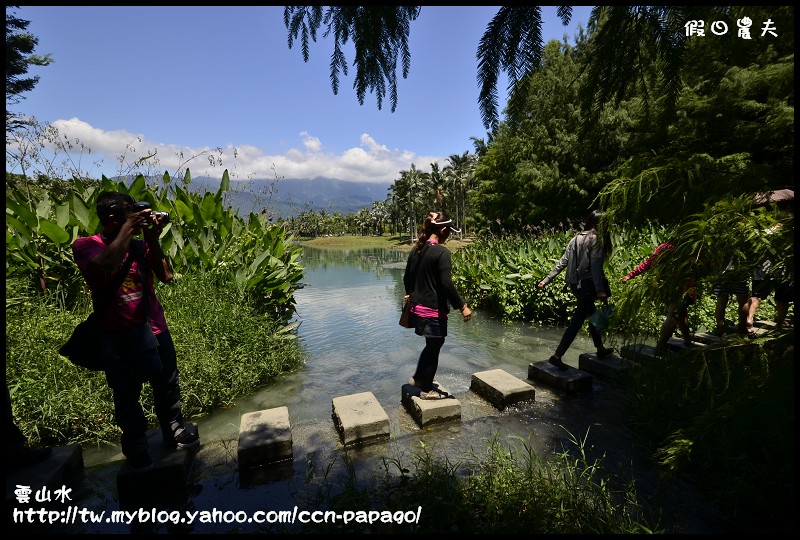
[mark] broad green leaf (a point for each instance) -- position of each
(62, 215)
(53, 231)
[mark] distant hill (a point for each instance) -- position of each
(287, 197)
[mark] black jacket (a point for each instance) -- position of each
(433, 286)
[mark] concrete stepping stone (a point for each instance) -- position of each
(265, 437)
(677, 344)
(500, 388)
(610, 367)
(166, 485)
(359, 418)
(638, 352)
(63, 467)
(769, 325)
(707, 338)
(570, 379)
(426, 412)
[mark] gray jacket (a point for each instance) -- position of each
(583, 258)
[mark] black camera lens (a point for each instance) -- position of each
(139, 206)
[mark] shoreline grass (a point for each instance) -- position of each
(386, 241)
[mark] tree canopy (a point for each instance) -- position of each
(19, 57)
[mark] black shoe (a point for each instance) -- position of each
(602, 353)
(140, 462)
(185, 436)
(25, 457)
(556, 361)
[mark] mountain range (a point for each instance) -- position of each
(283, 198)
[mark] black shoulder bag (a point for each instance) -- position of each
(405, 316)
(86, 347)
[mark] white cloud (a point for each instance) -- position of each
(115, 152)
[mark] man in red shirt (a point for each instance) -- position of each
(130, 362)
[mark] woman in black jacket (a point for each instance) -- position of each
(429, 289)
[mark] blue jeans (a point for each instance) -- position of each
(586, 296)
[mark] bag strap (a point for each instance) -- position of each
(145, 285)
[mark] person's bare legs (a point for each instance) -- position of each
(743, 311)
(755, 301)
(666, 331)
(683, 326)
(781, 309)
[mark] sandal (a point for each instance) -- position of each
(434, 393)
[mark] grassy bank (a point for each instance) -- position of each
(387, 241)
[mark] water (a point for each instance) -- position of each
(348, 312)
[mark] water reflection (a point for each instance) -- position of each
(348, 310)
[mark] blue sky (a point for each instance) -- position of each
(184, 81)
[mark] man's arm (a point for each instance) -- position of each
(110, 259)
(161, 265)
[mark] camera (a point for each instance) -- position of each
(144, 205)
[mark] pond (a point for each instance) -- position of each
(348, 311)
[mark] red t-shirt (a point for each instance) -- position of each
(127, 310)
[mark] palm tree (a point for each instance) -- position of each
(460, 173)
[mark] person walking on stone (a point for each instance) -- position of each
(429, 287)
(678, 312)
(583, 260)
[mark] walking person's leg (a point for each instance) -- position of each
(584, 306)
(428, 363)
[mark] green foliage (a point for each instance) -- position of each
(20, 56)
(225, 350)
(503, 489)
(379, 33)
(43, 218)
(726, 417)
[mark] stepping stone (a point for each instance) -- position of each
(611, 366)
(707, 338)
(500, 388)
(165, 485)
(570, 379)
(430, 411)
(265, 437)
(637, 352)
(63, 467)
(359, 418)
(678, 345)
(769, 325)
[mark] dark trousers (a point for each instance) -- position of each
(428, 363)
(585, 296)
(127, 387)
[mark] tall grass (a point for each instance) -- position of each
(507, 488)
(225, 347)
